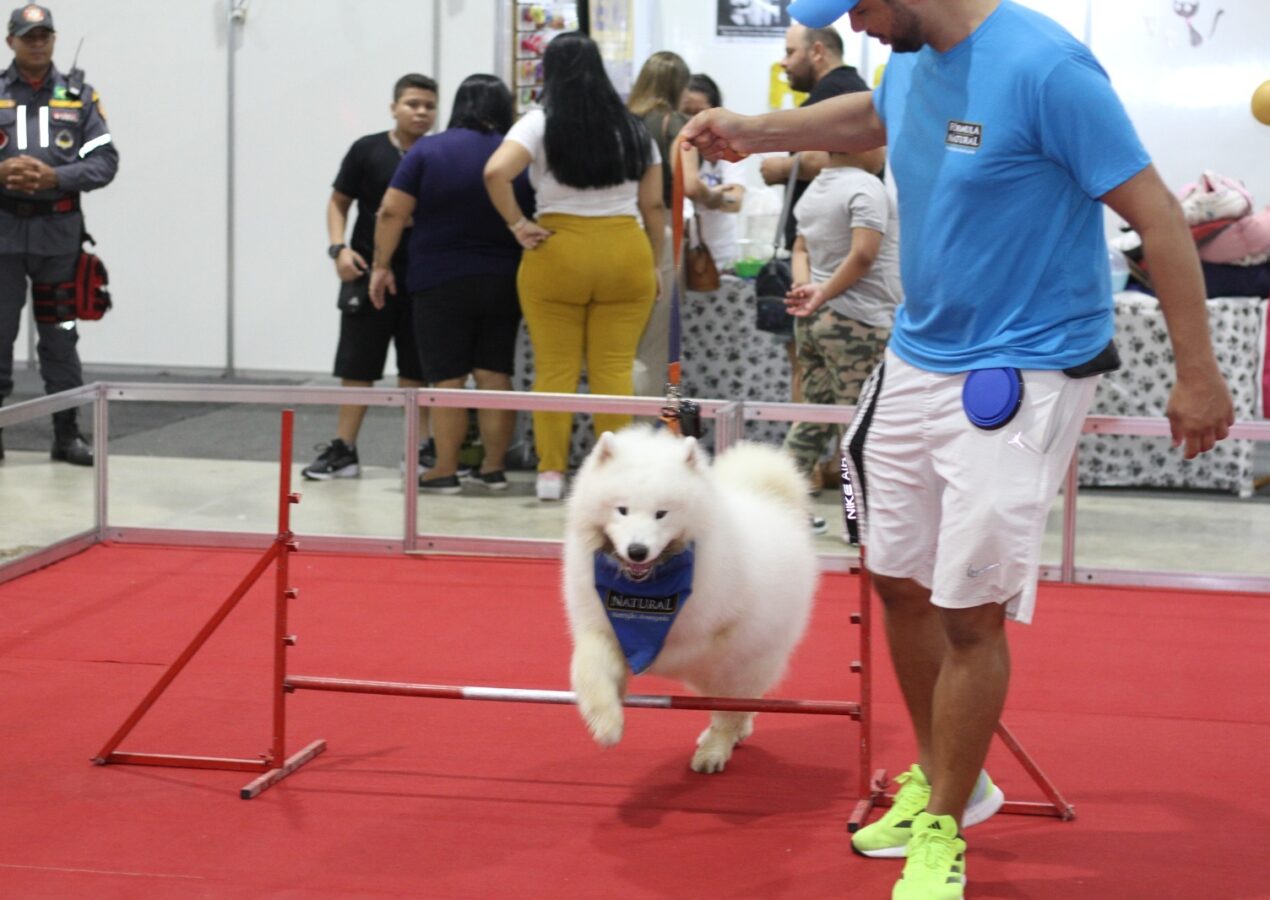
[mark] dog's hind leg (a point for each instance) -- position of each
(598, 673)
(714, 746)
(727, 729)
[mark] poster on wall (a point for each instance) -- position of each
(613, 29)
(536, 25)
(751, 19)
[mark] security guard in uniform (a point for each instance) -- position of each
(54, 144)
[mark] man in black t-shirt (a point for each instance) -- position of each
(366, 332)
(813, 65)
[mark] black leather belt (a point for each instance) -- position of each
(25, 209)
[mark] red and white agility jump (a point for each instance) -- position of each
(274, 765)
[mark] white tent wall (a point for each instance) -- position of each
(312, 75)
(1191, 103)
(311, 78)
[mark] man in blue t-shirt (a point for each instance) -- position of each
(1005, 140)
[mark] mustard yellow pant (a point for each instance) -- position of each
(586, 293)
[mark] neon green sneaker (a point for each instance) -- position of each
(936, 867)
(888, 836)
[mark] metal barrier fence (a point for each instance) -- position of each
(729, 417)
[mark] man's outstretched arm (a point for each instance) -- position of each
(846, 123)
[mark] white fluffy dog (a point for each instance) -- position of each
(644, 497)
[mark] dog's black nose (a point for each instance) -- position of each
(637, 552)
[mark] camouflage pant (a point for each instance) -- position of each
(836, 354)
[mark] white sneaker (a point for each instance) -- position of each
(985, 800)
(550, 486)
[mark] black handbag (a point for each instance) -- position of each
(774, 280)
(354, 299)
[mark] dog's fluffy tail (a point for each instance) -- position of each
(765, 470)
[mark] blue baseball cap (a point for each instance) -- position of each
(820, 13)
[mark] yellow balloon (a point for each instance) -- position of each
(1261, 103)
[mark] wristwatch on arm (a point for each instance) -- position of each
(333, 251)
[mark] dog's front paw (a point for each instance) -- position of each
(605, 723)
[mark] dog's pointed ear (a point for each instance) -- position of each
(604, 449)
(695, 456)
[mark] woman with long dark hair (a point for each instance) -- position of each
(461, 274)
(587, 280)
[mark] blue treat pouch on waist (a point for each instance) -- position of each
(641, 612)
(991, 397)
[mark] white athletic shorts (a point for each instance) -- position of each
(960, 510)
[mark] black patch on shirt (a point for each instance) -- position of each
(964, 136)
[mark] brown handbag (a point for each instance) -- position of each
(700, 272)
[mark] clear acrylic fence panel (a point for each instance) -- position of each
(42, 501)
(211, 466)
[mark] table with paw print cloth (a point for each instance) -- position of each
(726, 357)
(1141, 388)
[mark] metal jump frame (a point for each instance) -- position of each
(275, 765)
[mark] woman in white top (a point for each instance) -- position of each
(588, 282)
(717, 188)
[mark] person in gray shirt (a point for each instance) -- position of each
(846, 269)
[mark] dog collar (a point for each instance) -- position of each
(641, 612)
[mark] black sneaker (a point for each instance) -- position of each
(495, 481)
(427, 455)
(335, 460)
(73, 449)
(818, 524)
(446, 484)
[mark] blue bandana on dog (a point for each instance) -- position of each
(641, 612)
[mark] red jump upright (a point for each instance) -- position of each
(270, 764)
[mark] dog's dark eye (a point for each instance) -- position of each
(621, 510)
(661, 514)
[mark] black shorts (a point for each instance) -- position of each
(465, 324)
(365, 336)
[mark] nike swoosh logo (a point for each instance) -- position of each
(972, 572)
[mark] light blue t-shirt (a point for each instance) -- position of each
(1000, 148)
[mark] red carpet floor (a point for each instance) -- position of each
(1150, 710)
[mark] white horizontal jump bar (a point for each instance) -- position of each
(522, 695)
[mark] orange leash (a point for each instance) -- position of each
(680, 416)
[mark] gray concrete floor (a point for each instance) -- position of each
(213, 467)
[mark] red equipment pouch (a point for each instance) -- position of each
(84, 298)
(92, 300)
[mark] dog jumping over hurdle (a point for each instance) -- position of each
(672, 566)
